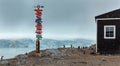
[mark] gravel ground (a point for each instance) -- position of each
(63, 57)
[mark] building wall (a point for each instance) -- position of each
(108, 45)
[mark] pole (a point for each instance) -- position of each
(37, 46)
(38, 13)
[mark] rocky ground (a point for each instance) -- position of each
(63, 57)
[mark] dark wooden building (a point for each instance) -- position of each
(108, 32)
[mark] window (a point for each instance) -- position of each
(109, 32)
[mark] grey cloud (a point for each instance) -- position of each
(66, 17)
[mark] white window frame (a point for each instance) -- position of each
(114, 36)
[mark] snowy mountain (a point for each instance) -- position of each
(45, 43)
(15, 43)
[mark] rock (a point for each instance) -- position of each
(54, 52)
(21, 56)
(103, 59)
(83, 62)
(18, 64)
(22, 59)
(4, 62)
(93, 53)
(60, 62)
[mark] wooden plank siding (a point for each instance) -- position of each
(108, 45)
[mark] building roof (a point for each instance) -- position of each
(112, 14)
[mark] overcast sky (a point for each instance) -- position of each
(62, 19)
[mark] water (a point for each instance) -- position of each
(11, 48)
(12, 52)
